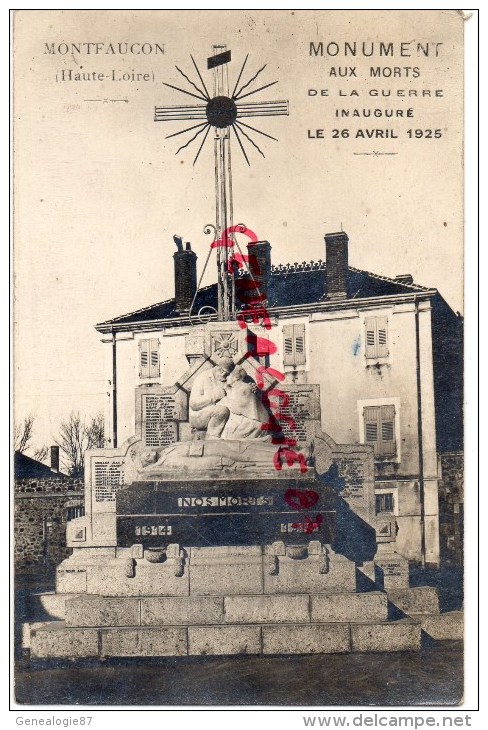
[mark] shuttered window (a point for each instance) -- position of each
(294, 344)
(376, 337)
(379, 429)
(149, 358)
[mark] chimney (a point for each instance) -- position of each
(260, 264)
(336, 273)
(55, 458)
(185, 275)
(404, 278)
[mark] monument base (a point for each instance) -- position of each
(58, 640)
(229, 600)
(201, 571)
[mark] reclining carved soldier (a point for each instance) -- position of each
(216, 454)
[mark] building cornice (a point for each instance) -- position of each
(285, 311)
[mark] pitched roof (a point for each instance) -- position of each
(289, 285)
(27, 468)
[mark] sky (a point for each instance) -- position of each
(99, 191)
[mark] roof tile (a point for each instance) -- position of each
(289, 285)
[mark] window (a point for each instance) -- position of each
(74, 512)
(376, 337)
(384, 502)
(149, 359)
(379, 429)
(294, 344)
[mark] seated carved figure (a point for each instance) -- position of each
(206, 409)
(247, 412)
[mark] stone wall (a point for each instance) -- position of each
(451, 506)
(41, 509)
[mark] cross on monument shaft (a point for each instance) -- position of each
(223, 111)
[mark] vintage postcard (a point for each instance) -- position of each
(238, 358)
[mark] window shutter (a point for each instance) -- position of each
(294, 344)
(382, 334)
(149, 358)
(379, 429)
(154, 359)
(370, 324)
(299, 339)
(144, 350)
(371, 426)
(288, 356)
(376, 336)
(388, 442)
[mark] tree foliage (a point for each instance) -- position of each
(95, 432)
(41, 453)
(23, 434)
(76, 436)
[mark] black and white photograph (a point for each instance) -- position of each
(238, 340)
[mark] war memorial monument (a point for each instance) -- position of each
(229, 522)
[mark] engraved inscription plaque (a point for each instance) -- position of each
(299, 408)
(159, 415)
(108, 476)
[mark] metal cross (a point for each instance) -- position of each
(222, 111)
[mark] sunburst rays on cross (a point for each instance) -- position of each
(222, 110)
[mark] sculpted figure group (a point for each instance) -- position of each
(225, 403)
(226, 407)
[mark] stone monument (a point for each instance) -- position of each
(230, 523)
(203, 534)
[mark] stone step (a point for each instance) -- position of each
(95, 611)
(443, 626)
(56, 640)
(413, 601)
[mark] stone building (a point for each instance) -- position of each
(45, 500)
(386, 352)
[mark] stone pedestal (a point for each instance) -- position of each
(272, 599)
(278, 598)
(223, 625)
(244, 510)
(391, 571)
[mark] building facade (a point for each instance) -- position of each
(386, 353)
